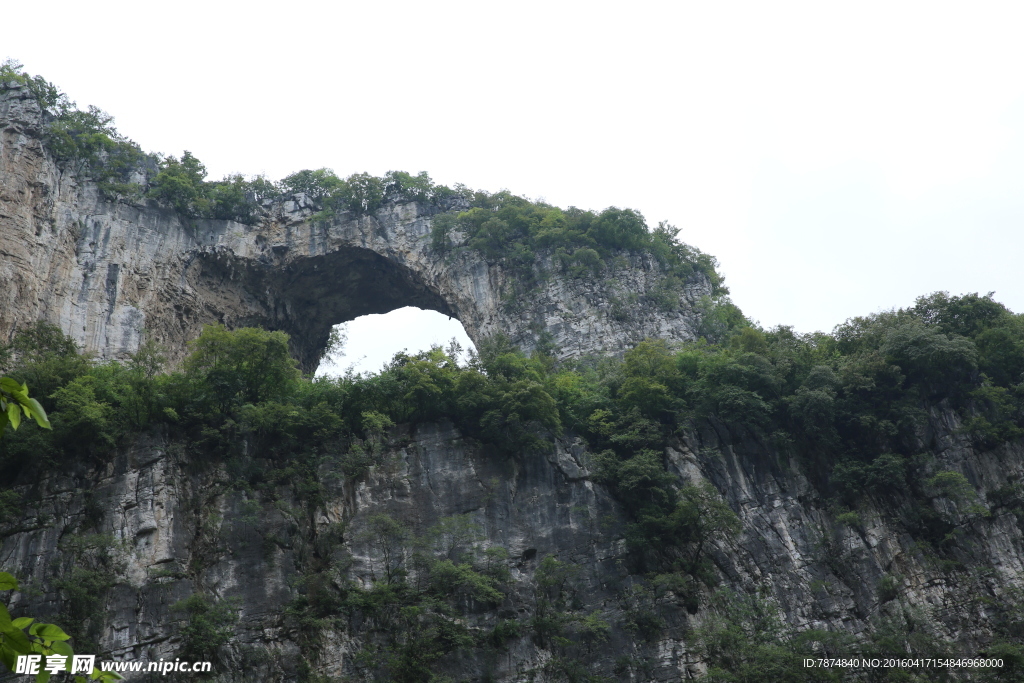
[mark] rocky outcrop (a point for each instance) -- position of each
(108, 273)
(171, 528)
(156, 523)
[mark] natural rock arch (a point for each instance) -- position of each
(109, 273)
(305, 276)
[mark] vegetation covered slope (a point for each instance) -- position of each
(850, 406)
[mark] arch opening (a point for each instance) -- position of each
(306, 296)
(371, 341)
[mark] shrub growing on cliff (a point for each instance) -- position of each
(42, 356)
(181, 183)
(514, 230)
(409, 624)
(87, 140)
(362, 193)
(745, 640)
(209, 625)
(50, 98)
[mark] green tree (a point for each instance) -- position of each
(317, 185)
(652, 380)
(209, 624)
(388, 537)
(248, 365)
(180, 183)
(745, 640)
(966, 315)
(47, 359)
(50, 98)
(937, 361)
(702, 518)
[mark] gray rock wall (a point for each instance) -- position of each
(107, 273)
(157, 524)
(177, 527)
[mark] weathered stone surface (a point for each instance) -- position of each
(107, 272)
(180, 529)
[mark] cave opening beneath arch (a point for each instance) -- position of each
(371, 341)
(386, 304)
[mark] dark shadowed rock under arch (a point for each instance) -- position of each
(108, 273)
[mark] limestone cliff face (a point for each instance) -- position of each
(107, 272)
(159, 524)
(175, 528)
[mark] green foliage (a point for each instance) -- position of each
(387, 537)
(26, 636)
(362, 193)
(854, 408)
(82, 420)
(953, 485)
(517, 232)
(82, 590)
(92, 406)
(50, 98)
(317, 185)
(209, 624)
(885, 474)
(248, 365)
(641, 612)
(888, 588)
(236, 198)
(745, 641)
(849, 518)
(593, 629)
(1012, 655)
(555, 589)
(452, 537)
(10, 506)
(448, 578)
(967, 316)
(335, 348)
(997, 412)
(719, 319)
(182, 184)
(928, 357)
(42, 356)
(651, 380)
(410, 623)
(14, 401)
(87, 140)
(910, 631)
(40, 638)
(672, 525)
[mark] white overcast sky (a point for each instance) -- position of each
(837, 158)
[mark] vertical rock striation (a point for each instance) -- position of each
(172, 529)
(108, 272)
